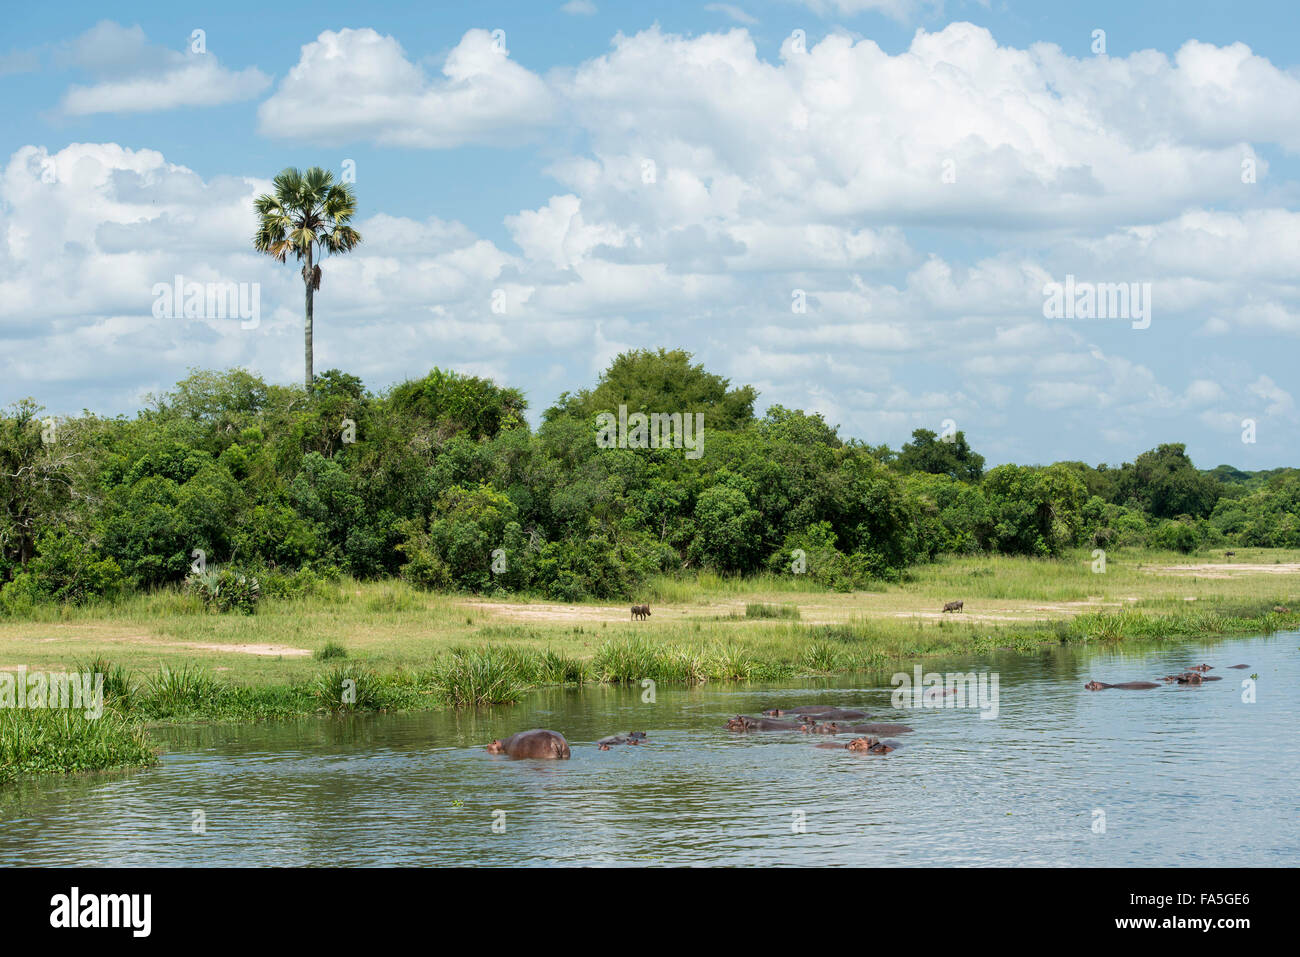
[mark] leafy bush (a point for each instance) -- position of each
(225, 589)
(65, 569)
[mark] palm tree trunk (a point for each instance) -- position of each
(307, 278)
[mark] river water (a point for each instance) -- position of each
(1178, 775)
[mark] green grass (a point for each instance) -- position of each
(473, 677)
(331, 649)
(64, 741)
(760, 610)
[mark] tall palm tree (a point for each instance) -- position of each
(307, 213)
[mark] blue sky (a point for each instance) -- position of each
(776, 165)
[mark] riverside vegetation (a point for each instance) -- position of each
(426, 548)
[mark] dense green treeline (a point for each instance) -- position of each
(237, 488)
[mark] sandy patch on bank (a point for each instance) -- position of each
(269, 651)
(1228, 570)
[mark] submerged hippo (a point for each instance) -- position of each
(537, 743)
(813, 727)
(632, 737)
(870, 730)
(1238, 666)
(874, 729)
(1201, 668)
(744, 723)
(1194, 678)
(1130, 685)
(867, 745)
(824, 711)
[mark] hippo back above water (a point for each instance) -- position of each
(537, 743)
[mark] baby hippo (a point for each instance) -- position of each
(632, 737)
(537, 743)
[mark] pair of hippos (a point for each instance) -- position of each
(1194, 675)
(815, 719)
(550, 745)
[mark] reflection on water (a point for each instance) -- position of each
(1183, 775)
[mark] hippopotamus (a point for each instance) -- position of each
(812, 727)
(833, 728)
(1194, 678)
(1201, 668)
(874, 729)
(632, 737)
(867, 745)
(537, 743)
(1130, 685)
(743, 723)
(818, 711)
(1238, 666)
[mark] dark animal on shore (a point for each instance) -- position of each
(1130, 685)
(1228, 554)
(640, 612)
(537, 743)
(954, 606)
(1282, 609)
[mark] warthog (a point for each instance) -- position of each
(640, 612)
(953, 606)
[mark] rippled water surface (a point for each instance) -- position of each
(1183, 775)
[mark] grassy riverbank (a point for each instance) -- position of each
(373, 646)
